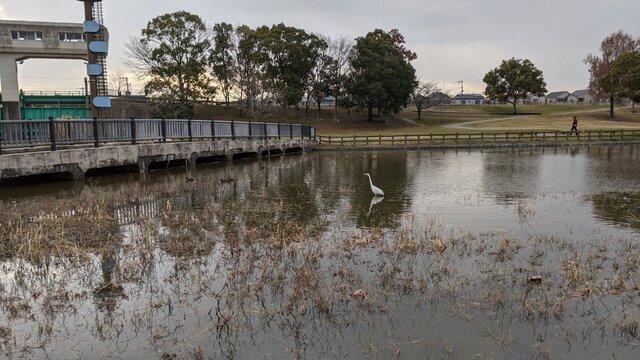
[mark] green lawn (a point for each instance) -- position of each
(435, 120)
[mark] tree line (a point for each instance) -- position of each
(184, 61)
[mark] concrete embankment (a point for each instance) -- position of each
(77, 163)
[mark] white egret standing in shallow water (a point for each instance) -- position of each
(376, 190)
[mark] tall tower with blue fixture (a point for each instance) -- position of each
(97, 38)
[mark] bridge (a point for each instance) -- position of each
(76, 148)
(21, 40)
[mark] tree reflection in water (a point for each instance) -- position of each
(245, 269)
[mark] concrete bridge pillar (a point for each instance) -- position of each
(10, 88)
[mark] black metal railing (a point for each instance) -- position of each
(36, 134)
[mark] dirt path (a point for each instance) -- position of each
(406, 121)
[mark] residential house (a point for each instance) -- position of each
(531, 99)
(327, 101)
(468, 99)
(439, 98)
(561, 97)
(583, 96)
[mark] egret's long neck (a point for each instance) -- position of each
(370, 182)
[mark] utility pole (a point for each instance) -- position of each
(461, 82)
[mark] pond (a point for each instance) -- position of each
(516, 254)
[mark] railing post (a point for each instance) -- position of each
(189, 130)
(133, 131)
(250, 130)
(291, 131)
(163, 129)
(233, 130)
(266, 135)
(52, 133)
(96, 133)
(213, 130)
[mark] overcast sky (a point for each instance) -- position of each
(454, 39)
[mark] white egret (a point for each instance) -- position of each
(376, 190)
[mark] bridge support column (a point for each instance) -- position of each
(10, 88)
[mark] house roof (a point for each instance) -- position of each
(439, 94)
(579, 93)
(558, 95)
(468, 97)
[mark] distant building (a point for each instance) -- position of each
(531, 100)
(439, 98)
(561, 97)
(325, 102)
(583, 96)
(468, 99)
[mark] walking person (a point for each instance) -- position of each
(574, 126)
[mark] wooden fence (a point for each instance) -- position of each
(479, 138)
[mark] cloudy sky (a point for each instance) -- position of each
(454, 39)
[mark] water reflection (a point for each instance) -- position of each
(374, 201)
(295, 258)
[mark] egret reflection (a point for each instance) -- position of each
(374, 201)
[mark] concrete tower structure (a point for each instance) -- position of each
(22, 40)
(97, 48)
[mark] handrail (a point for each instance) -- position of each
(25, 135)
(479, 138)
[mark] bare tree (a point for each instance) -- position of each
(249, 79)
(423, 97)
(339, 50)
(318, 86)
(118, 81)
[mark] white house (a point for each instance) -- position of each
(583, 96)
(468, 99)
(532, 100)
(561, 97)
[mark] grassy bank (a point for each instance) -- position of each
(441, 119)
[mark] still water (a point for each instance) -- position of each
(294, 257)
